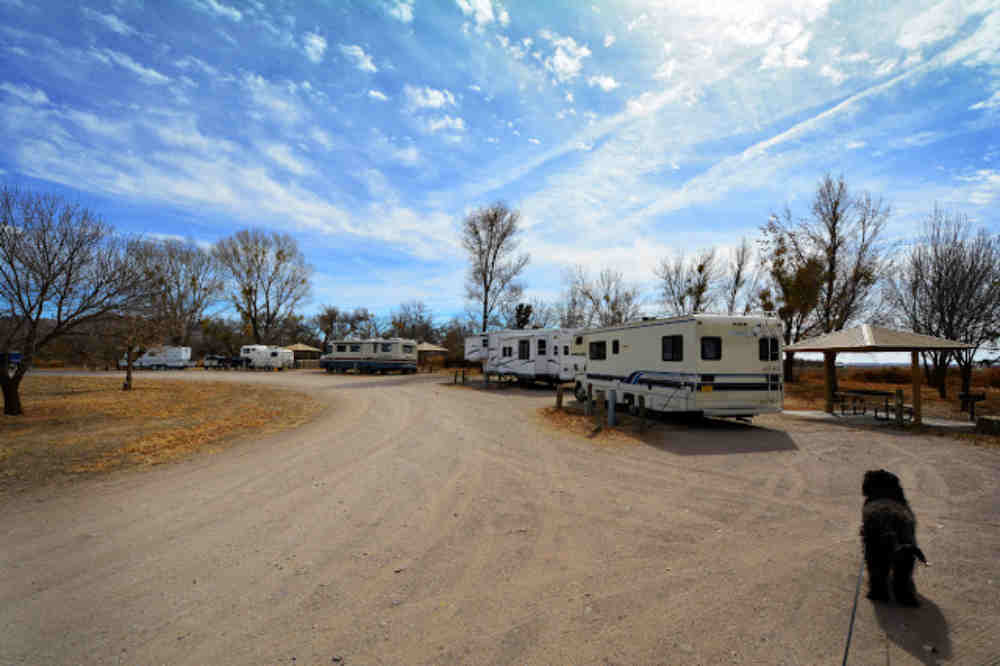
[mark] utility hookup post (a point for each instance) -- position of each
(610, 406)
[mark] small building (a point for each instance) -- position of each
(304, 352)
(431, 354)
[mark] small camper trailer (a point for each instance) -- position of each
(533, 355)
(375, 355)
(709, 364)
(256, 357)
(161, 358)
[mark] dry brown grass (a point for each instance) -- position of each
(807, 392)
(85, 425)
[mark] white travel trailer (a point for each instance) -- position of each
(375, 355)
(533, 355)
(477, 347)
(266, 356)
(161, 358)
(709, 364)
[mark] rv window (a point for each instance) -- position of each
(523, 350)
(614, 346)
(341, 348)
(711, 349)
(579, 339)
(387, 347)
(555, 350)
(775, 354)
(673, 347)
(407, 349)
(274, 354)
(508, 351)
(769, 349)
(541, 347)
(486, 342)
(375, 347)
(355, 348)
(565, 350)
(598, 350)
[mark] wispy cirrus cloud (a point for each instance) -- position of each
(109, 21)
(358, 57)
(314, 46)
(26, 93)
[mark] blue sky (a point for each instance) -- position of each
(622, 131)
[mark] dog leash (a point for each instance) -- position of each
(850, 629)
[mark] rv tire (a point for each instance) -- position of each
(580, 393)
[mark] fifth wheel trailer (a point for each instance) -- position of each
(161, 358)
(714, 365)
(542, 355)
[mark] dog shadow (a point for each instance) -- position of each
(923, 631)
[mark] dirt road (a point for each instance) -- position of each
(420, 523)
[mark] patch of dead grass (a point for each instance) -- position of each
(84, 425)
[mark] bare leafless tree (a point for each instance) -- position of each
(415, 321)
(60, 267)
(688, 285)
(489, 235)
(948, 285)
(740, 279)
(267, 276)
(193, 282)
(608, 300)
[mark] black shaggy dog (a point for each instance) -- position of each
(888, 531)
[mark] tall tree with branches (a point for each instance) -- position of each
(489, 235)
(689, 285)
(608, 300)
(61, 267)
(948, 285)
(267, 276)
(192, 283)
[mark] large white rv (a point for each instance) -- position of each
(710, 364)
(161, 358)
(258, 357)
(533, 355)
(375, 355)
(477, 347)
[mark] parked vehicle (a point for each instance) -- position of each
(708, 364)
(477, 347)
(220, 362)
(543, 355)
(257, 357)
(163, 357)
(374, 355)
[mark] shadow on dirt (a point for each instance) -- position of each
(688, 435)
(922, 632)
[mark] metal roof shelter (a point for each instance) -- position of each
(868, 338)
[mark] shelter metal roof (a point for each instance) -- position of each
(298, 346)
(427, 346)
(868, 338)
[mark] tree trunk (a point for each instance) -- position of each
(941, 378)
(788, 367)
(127, 386)
(966, 381)
(11, 394)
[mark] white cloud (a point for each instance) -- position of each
(362, 60)
(854, 145)
(885, 68)
(220, 9)
(314, 45)
(145, 74)
(605, 83)
(791, 55)
(452, 123)
(408, 155)
(427, 98)
(283, 156)
(941, 20)
(483, 13)
(569, 97)
(321, 137)
(378, 94)
(832, 73)
(279, 101)
(609, 39)
(401, 9)
(984, 188)
(566, 60)
(109, 21)
(29, 95)
(666, 70)
(992, 102)
(190, 62)
(534, 141)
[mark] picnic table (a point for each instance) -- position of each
(971, 399)
(858, 399)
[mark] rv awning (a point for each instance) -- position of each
(868, 338)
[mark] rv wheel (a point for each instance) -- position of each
(580, 393)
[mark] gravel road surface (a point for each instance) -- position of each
(419, 523)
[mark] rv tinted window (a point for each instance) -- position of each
(579, 339)
(486, 342)
(341, 348)
(274, 354)
(555, 350)
(598, 350)
(508, 351)
(523, 350)
(565, 350)
(768, 349)
(711, 348)
(673, 347)
(407, 349)
(614, 346)
(355, 348)
(387, 347)
(541, 347)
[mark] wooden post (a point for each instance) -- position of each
(559, 397)
(899, 407)
(829, 368)
(588, 407)
(915, 371)
(611, 405)
(463, 375)
(601, 405)
(642, 413)
(456, 378)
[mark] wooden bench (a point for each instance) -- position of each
(969, 400)
(988, 425)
